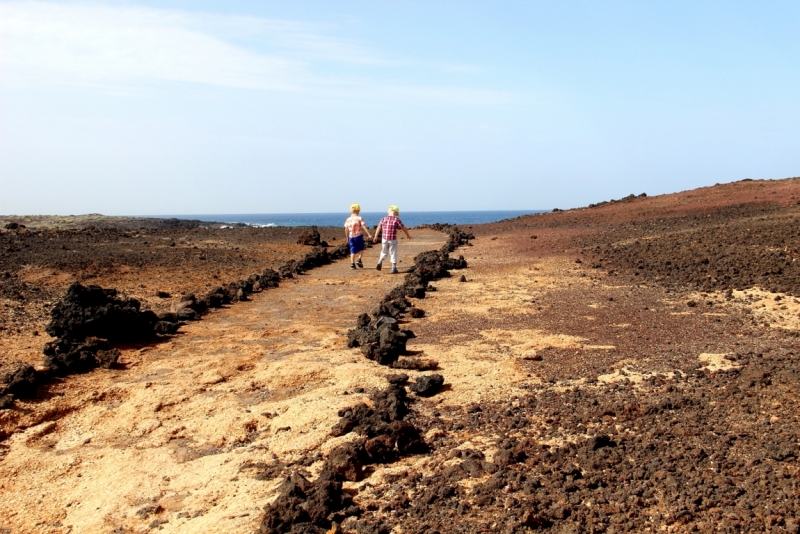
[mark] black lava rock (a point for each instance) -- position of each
(428, 385)
(18, 379)
(91, 311)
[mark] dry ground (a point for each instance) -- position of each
(169, 437)
(37, 265)
(577, 398)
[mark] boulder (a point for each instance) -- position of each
(65, 356)
(427, 385)
(310, 237)
(187, 314)
(363, 320)
(269, 278)
(166, 328)
(171, 317)
(305, 507)
(345, 462)
(18, 379)
(91, 311)
(397, 378)
(415, 364)
(381, 449)
(6, 402)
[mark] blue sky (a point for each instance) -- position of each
(177, 107)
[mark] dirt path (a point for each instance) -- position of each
(173, 440)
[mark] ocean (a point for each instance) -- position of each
(411, 218)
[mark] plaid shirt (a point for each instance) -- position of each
(389, 227)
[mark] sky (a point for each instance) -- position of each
(187, 107)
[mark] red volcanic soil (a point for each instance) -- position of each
(655, 377)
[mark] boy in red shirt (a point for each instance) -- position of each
(353, 227)
(389, 226)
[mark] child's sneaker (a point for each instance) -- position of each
(359, 264)
(352, 266)
(394, 270)
(378, 267)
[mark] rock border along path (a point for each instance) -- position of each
(87, 321)
(192, 434)
(384, 434)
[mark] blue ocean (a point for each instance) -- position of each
(410, 218)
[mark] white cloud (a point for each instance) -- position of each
(122, 48)
(69, 44)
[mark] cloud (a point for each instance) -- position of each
(121, 48)
(85, 45)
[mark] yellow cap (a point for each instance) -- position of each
(355, 207)
(394, 209)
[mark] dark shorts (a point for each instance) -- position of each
(356, 244)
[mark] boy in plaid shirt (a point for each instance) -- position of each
(388, 227)
(353, 227)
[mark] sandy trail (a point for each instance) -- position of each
(167, 440)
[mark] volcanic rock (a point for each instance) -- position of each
(386, 321)
(427, 385)
(65, 356)
(6, 402)
(397, 379)
(345, 462)
(269, 278)
(459, 263)
(187, 314)
(381, 449)
(407, 438)
(93, 311)
(388, 405)
(170, 317)
(166, 328)
(303, 506)
(216, 298)
(415, 364)
(18, 379)
(288, 270)
(310, 237)
(362, 337)
(363, 320)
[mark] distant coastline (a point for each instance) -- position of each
(257, 220)
(410, 218)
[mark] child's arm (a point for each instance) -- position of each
(365, 227)
(404, 229)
